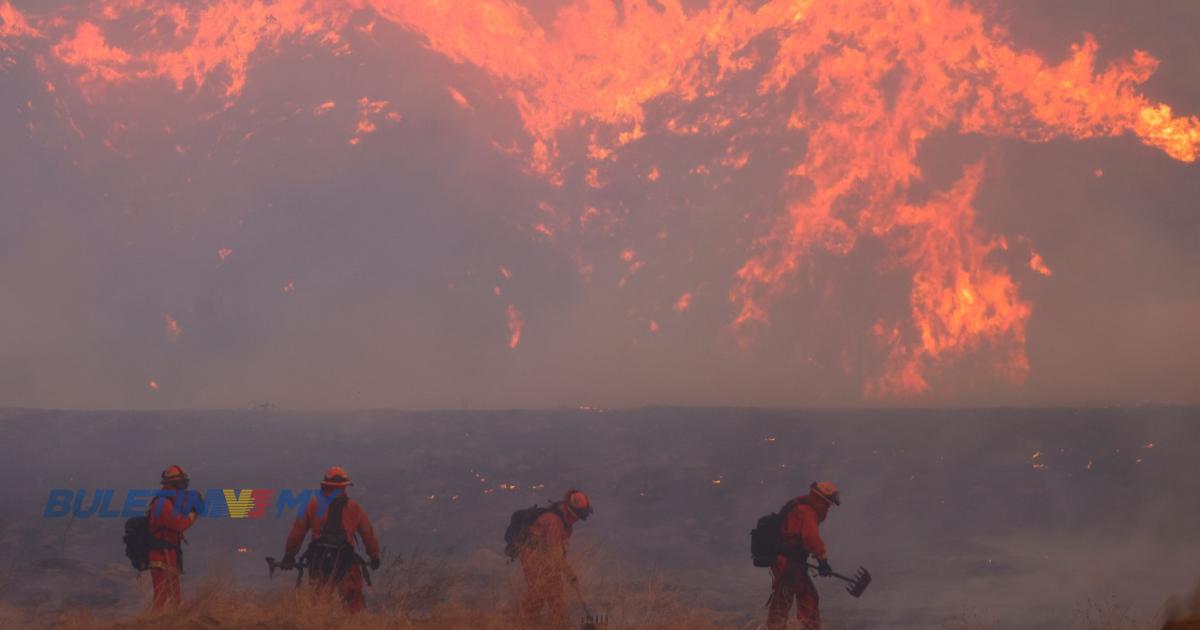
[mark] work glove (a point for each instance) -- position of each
(823, 568)
(375, 563)
(289, 563)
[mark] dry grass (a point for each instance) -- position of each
(415, 591)
(213, 607)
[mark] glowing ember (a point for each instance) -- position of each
(173, 329)
(368, 109)
(459, 98)
(683, 303)
(289, 286)
(243, 550)
(223, 254)
(1037, 264)
(152, 385)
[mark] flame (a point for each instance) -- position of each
(224, 253)
(152, 385)
(459, 99)
(173, 329)
(516, 322)
(1037, 264)
(684, 302)
(878, 78)
(13, 25)
(368, 109)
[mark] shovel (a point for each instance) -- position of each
(857, 584)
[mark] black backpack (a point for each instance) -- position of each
(766, 539)
(331, 555)
(137, 542)
(517, 534)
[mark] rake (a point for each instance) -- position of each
(589, 621)
(857, 584)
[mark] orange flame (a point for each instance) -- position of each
(684, 302)
(516, 322)
(1037, 264)
(13, 25)
(886, 74)
(459, 98)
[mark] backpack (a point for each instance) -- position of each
(331, 555)
(517, 535)
(137, 542)
(766, 539)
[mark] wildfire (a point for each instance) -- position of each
(879, 77)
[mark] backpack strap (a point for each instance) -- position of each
(783, 517)
(333, 529)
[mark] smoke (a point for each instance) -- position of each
(332, 205)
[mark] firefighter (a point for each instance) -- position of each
(171, 513)
(544, 561)
(801, 538)
(331, 559)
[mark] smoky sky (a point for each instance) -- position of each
(309, 260)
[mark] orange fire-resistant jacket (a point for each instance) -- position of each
(548, 537)
(354, 521)
(801, 529)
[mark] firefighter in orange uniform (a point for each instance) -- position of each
(544, 561)
(170, 515)
(331, 557)
(801, 538)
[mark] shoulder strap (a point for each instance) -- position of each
(333, 520)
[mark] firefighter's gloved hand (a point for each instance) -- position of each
(375, 563)
(289, 563)
(823, 568)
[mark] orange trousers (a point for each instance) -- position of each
(543, 592)
(793, 584)
(349, 589)
(165, 575)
